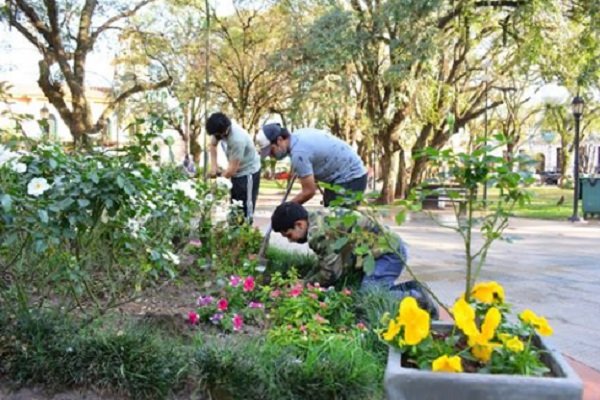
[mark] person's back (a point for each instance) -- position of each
(328, 158)
(239, 146)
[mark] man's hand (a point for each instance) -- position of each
(214, 173)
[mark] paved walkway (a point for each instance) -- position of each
(551, 267)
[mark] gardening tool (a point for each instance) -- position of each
(262, 260)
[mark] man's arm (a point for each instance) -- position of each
(232, 168)
(213, 160)
(309, 188)
(330, 269)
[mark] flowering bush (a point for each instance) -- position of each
(482, 340)
(89, 228)
(236, 304)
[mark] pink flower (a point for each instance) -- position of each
(249, 284)
(275, 293)
(296, 290)
(193, 318)
(313, 296)
(361, 326)
(222, 305)
(255, 304)
(252, 257)
(347, 291)
(237, 322)
(322, 304)
(234, 280)
(195, 242)
(320, 319)
(303, 328)
(204, 300)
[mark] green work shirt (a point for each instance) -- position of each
(333, 263)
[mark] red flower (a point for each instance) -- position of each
(193, 318)
(361, 326)
(347, 291)
(275, 293)
(222, 304)
(238, 322)
(249, 284)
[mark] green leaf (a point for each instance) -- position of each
(369, 265)
(341, 242)
(53, 163)
(94, 177)
(401, 217)
(43, 214)
(83, 203)
(6, 202)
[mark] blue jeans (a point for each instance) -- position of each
(388, 268)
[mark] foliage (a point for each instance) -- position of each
(86, 229)
(54, 350)
(308, 314)
(281, 261)
(336, 368)
(469, 171)
(483, 339)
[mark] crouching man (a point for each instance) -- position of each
(337, 259)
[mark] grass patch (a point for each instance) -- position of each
(337, 368)
(282, 260)
(545, 203)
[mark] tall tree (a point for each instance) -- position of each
(65, 32)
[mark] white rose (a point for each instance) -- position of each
(19, 167)
(187, 187)
(37, 186)
(6, 155)
(224, 182)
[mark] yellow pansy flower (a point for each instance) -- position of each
(447, 364)
(464, 315)
(504, 337)
(514, 344)
(392, 330)
(488, 292)
(415, 321)
(543, 327)
(483, 352)
(539, 323)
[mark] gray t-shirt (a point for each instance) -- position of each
(329, 159)
(239, 146)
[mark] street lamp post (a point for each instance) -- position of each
(577, 107)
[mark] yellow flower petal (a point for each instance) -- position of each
(543, 327)
(488, 292)
(447, 364)
(415, 321)
(528, 316)
(490, 323)
(464, 315)
(392, 330)
(515, 344)
(483, 352)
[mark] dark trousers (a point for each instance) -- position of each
(355, 185)
(245, 189)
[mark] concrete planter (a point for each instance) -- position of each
(412, 384)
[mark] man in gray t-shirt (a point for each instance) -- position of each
(243, 161)
(316, 156)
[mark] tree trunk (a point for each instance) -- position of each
(400, 191)
(389, 168)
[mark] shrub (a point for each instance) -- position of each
(52, 350)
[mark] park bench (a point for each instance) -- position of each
(439, 196)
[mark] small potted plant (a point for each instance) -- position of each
(485, 353)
